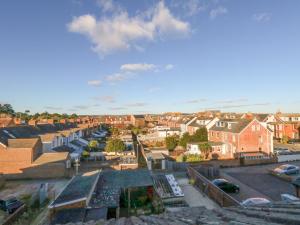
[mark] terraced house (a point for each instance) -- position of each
(241, 138)
(40, 150)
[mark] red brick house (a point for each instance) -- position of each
(241, 136)
(19, 153)
(288, 129)
(138, 120)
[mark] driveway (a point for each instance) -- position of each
(255, 181)
(193, 197)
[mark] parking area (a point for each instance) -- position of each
(255, 181)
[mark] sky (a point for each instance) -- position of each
(147, 56)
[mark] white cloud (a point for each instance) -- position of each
(117, 77)
(169, 67)
(108, 5)
(262, 17)
(121, 32)
(138, 67)
(194, 6)
(218, 12)
(95, 83)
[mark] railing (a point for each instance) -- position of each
(15, 216)
(212, 191)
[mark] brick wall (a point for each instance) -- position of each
(46, 171)
(255, 138)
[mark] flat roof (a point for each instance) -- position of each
(51, 157)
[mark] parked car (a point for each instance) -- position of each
(282, 151)
(287, 169)
(255, 202)
(293, 141)
(10, 204)
(226, 186)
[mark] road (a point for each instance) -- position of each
(255, 181)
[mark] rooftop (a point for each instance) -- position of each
(110, 183)
(279, 213)
(78, 188)
(22, 143)
(50, 157)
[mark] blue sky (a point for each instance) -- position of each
(141, 56)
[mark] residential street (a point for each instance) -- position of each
(255, 181)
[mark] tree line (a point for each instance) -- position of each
(26, 116)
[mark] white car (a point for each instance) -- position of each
(255, 202)
(287, 169)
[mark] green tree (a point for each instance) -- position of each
(184, 139)
(171, 142)
(7, 109)
(285, 139)
(93, 145)
(205, 149)
(115, 145)
(193, 158)
(200, 135)
(136, 130)
(73, 116)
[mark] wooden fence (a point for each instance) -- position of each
(212, 191)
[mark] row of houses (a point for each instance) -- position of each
(235, 135)
(25, 148)
(124, 121)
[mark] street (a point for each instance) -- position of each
(255, 181)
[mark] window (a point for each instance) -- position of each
(258, 127)
(212, 134)
(233, 138)
(253, 127)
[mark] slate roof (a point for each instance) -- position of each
(110, 183)
(139, 116)
(235, 127)
(68, 216)
(63, 148)
(26, 131)
(281, 213)
(195, 124)
(79, 188)
(261, 117)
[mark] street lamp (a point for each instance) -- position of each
(77, 164)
